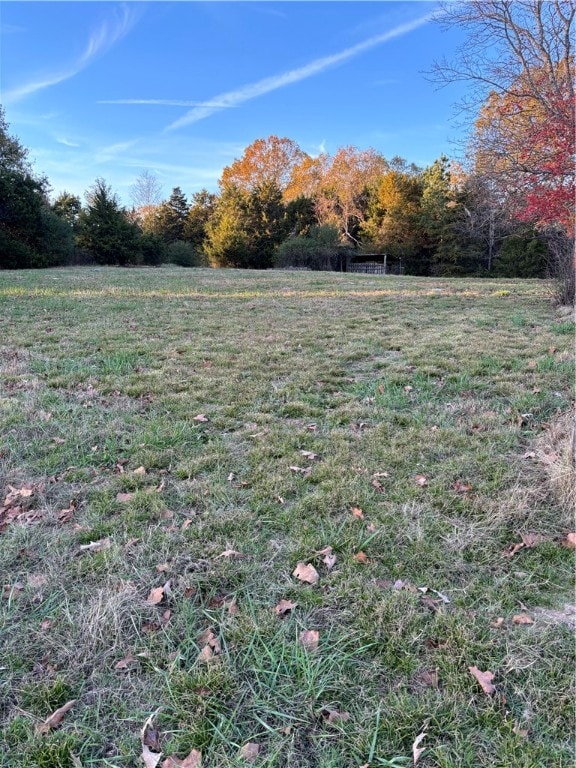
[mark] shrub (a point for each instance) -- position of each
(181, 253)
(319, 250)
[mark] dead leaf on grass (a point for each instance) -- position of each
(301, 470)
(309, 639)
(417, 750)
(306, 572)
(421, 480)
(521, 732)
(529, 540)
(569, 541)
(65, 515)
(461, 487)
(429, 678)
(334, 716)
(357, 512)
(201, 418)
(124, 497)
(56, 717)
(140, 471)
(250, 751)
(194, 760)
(329, 561)
(230, 553)
(309, 455)
(497, 623)
(209, 640)
(484, 679)
(284, 607)
(125, 662)
(149, 738)
(96, 546)
(522, 618)
(361, 557)
(156, 596)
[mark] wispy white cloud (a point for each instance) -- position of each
(66, 142)
(112, 151)
(273, 83)
(101, 39)
(168, 103)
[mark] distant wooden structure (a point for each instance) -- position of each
(373, 264)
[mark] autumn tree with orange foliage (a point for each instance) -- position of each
(265, 161)
(347, 179)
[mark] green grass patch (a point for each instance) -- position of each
(195, 434)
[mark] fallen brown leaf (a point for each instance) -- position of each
(284, 607)
(206, 654)
(329, 561)
(230, 553)
(357, 512)
(151, 737)
(361, 557)
(124, 497)
(150, 758)
(309, 639)
(125, 662)
(429, 678)
(569, 541)
(209, 641)
(65, 515)
(333, 716)
(56, 717)
(484, 679)
(96, 546)
(309, 455)
(461, 487)
(250, 751)
(156, 596)
(201, 417)
(522, 618)
(416, 749)
(301, 470)
(194, 760)
(140, 471)
(497, 623)
(421, 480)
(306, 572)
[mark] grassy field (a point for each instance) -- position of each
(177, 448)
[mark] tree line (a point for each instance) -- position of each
(506, 210)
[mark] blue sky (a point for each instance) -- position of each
(105, 89)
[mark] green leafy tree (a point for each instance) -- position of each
(301, 215)
(438, 216)
(522, 256)
(105, 230)
(170, 217)
(319, 249)
(29, 236)
(67, 206)
(246, 227)
(199, 214)
(393, 222)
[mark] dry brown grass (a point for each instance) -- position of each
(556, 449)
